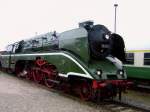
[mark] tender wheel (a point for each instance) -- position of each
(85, 91)
(19, 69)
(29, 69)
(29, 75)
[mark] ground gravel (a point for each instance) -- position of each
(18, 95)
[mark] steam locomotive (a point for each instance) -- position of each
(86, 60)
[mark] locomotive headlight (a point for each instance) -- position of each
(120, 72)
(107, 36)
(99, 72)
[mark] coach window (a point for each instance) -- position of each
(146, 58)
(129, 58)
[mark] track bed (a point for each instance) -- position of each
(21, 95)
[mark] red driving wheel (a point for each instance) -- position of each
(50, 74)
(37, 75)
(85, 91)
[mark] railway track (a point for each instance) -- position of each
(143, 88)
(125, 105)
(112, 106)
(133, 104)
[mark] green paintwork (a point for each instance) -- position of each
(63, 64)
(104, 65)
(138, 72)
(5, 61)
(76, 41)
(108, 69)
(73, 43)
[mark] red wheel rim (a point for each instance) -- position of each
(37, 76)
(47, 82)
(85, 91)
(50, 74)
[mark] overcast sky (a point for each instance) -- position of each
(20, 19)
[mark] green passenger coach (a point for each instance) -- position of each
(138, 67)
(87, 60)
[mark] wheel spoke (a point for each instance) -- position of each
(50, 75)
(48, 83)
(37, 75)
